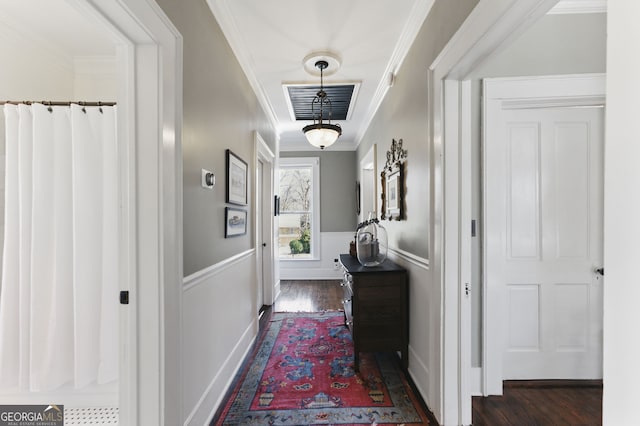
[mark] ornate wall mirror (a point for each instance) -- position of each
(392, 179)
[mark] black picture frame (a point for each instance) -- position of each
(235, 221)
(237, 180)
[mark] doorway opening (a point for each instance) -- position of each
(150, 179)
(49, 65)
(264, 219)
(547, 288)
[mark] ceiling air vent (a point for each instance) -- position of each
(299, 98)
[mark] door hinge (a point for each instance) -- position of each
(124, 297)
(467, 289)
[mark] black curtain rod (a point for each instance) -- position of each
(56, 103)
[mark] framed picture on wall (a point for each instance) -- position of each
(392, 193)
(235, 222)
(237, 178)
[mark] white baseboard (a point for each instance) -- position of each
(476, 381)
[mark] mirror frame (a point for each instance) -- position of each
(393, 182)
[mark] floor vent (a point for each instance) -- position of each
(98, 416)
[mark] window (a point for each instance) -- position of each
(299, 237)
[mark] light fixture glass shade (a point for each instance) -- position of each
(319, 134)
(322, 135)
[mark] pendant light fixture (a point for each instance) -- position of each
(321, 134)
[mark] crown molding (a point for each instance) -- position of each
(227, 23)
(565, 7)
(417, 17)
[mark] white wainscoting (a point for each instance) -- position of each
(332, 244)
(424, 331)
(219, 326)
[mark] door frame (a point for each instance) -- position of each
(517, 93)
(489, 27)
(265, 263)
(371, 157)
(149, 56)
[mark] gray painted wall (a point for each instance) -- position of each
(220, 111)
(338, 175)
(403, 115)
(556, 44)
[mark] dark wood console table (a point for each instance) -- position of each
(376, 307)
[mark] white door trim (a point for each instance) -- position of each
(149, 128)
(487, 29)
(267, 262)
(501, 93)
(370, 159)
(465, 247)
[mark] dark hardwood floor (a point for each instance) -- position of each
(549, 402)
(526, 403)
(309, 296)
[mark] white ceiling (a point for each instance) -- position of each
(271, 40)
(371, 37)
(55, 25)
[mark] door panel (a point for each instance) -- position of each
(548, 202)
(523, 200)
(524, 317)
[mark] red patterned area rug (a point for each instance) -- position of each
(302, 374)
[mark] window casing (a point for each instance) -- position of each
(299, 224)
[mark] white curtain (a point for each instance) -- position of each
(59, 289)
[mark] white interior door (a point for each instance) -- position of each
(544, 203)
(264, 219)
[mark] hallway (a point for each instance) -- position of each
(523, 403)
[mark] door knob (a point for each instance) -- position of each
(600, 271)
(264, 244)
